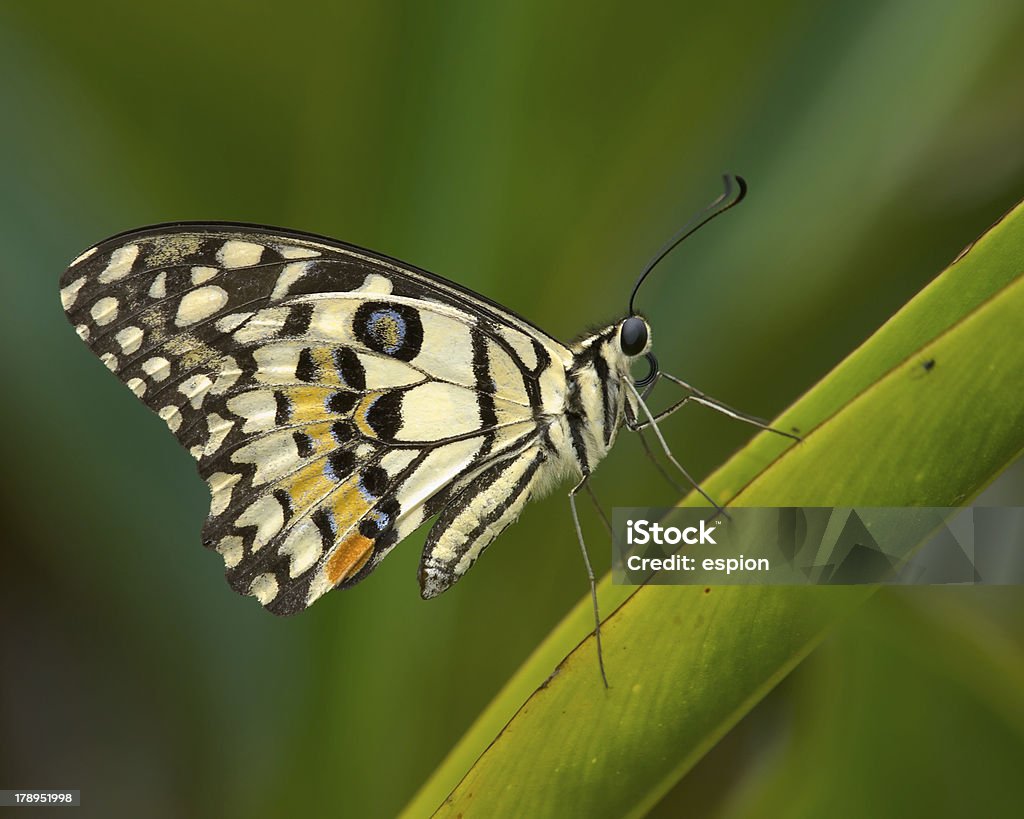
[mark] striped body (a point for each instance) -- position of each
(576, 421)
(336, 399)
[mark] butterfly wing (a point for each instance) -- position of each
(333, 398)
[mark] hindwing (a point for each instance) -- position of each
(333, 398)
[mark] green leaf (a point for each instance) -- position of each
(928, 659)
(926, 412)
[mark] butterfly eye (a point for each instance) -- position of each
(633, 336)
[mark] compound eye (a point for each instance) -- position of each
(633, 336)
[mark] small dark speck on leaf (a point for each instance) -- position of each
(928, 364)
(707, 591)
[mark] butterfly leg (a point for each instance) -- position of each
(657, 464)
(635, 426)
(706, 400)
(590, 574)
(600, 511)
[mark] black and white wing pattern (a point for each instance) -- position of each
(333, 398)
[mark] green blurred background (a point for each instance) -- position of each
(537, 152)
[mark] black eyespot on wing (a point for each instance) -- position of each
(350, 369)
(340, 464)
(303, 444)
(384, 416)
(306, 369)
(633, 336)
(284, 408)
(389, 328)
(342, 431)
(298, 320)
(324, 521)
(341, 402)
(373, 481)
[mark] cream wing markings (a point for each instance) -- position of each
(333, 399)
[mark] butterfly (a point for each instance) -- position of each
(335, 399)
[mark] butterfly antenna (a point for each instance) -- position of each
(735, 190)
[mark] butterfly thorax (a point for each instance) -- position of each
(596, 396)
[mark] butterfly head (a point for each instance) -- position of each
(634, 340)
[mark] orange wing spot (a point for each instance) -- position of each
(349, 557)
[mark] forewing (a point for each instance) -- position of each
(333, 398)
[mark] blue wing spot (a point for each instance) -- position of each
(379, 520)
(389, 328)
(392, 329)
